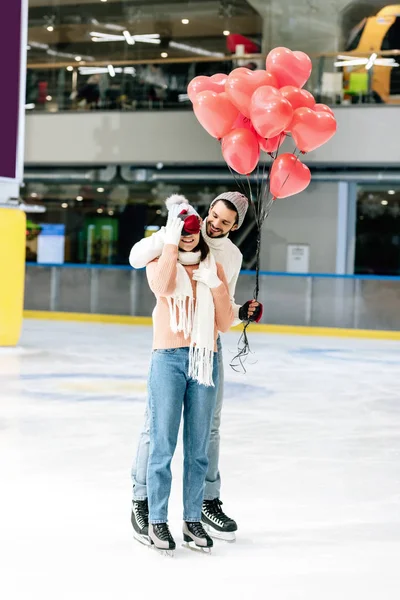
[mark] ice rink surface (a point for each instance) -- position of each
(310, 463)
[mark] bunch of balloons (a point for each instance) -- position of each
(253, 111)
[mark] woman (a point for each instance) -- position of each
(193, 304)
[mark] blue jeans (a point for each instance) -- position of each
(170, 389)
(213, 478)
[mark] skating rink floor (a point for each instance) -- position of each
(310, 461)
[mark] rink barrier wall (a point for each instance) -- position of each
(254, 328)
(362, 302)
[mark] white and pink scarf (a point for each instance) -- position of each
(197, 321)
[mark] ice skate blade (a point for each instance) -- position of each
(142, 539)
(192, 546)
(225, 536)
(161, 551)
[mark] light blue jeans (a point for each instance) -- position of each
(213, 478)
(170, 388)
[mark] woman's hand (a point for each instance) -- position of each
(207, 276)
(173, 231)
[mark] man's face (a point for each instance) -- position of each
(221, 220)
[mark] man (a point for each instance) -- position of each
(226, 214)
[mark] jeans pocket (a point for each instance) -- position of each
(166, 350)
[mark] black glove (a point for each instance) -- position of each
(255, 317)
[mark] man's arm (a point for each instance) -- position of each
(251, 310)
(147, 249)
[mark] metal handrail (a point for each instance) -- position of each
(199, 59)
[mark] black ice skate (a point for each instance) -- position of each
(195, 537)
(216, 522)
(140, 521)
(160, 536)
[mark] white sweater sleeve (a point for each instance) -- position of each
(232, 288)
(147, 250)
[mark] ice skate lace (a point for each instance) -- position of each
(197, 529)
(163, 533)
(142, 512)
(213, 507)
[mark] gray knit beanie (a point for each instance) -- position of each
(239, 201)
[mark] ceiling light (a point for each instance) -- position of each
(103, 0)
(64, 205)
(111, 212)
(79, 198)
(384, 202)
(158, 212)
(371, 61)
(78, 58)
(148, 38)
(101, 70)
(99, 210)
(50, 28)
(100, 190)
(391, 192)
(185, 21)
(48, 98)
(34, 195)
(128, 37)
(70, 68)
(164, 54)
(30, 106)
(226, 32)
(111, 70)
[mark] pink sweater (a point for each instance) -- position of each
(161, 274)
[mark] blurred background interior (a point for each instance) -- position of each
(110, 133)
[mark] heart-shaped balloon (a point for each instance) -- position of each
(219, 79)
(288, 176)
(311, 129)
(270, 112)
(243, 122)
(272, 144)
(215, 83)
(323, 108)
(297, 97)
(289, 68)
(241, 151)
(241, 85)
(215, 112)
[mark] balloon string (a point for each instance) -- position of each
(262, 205)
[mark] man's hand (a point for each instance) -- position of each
(251, 311)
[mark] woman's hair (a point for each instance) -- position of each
(203, 247)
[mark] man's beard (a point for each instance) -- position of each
(215, 237)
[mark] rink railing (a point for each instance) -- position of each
(320, 300)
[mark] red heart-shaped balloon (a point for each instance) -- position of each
(323, 108)
(289, 68)
(288, 176)
(215, 112)
(241, 151)
(297, 97)
(220, 79)
(272, 144)
(311, 129)
(203, 84)
(270, 112)
(241, 85)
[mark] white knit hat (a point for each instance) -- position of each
(239, 201)
(178, 206)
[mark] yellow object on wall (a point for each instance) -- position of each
(12, 274)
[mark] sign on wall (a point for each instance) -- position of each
(13, 47)
(298, 258)
(51, 244)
